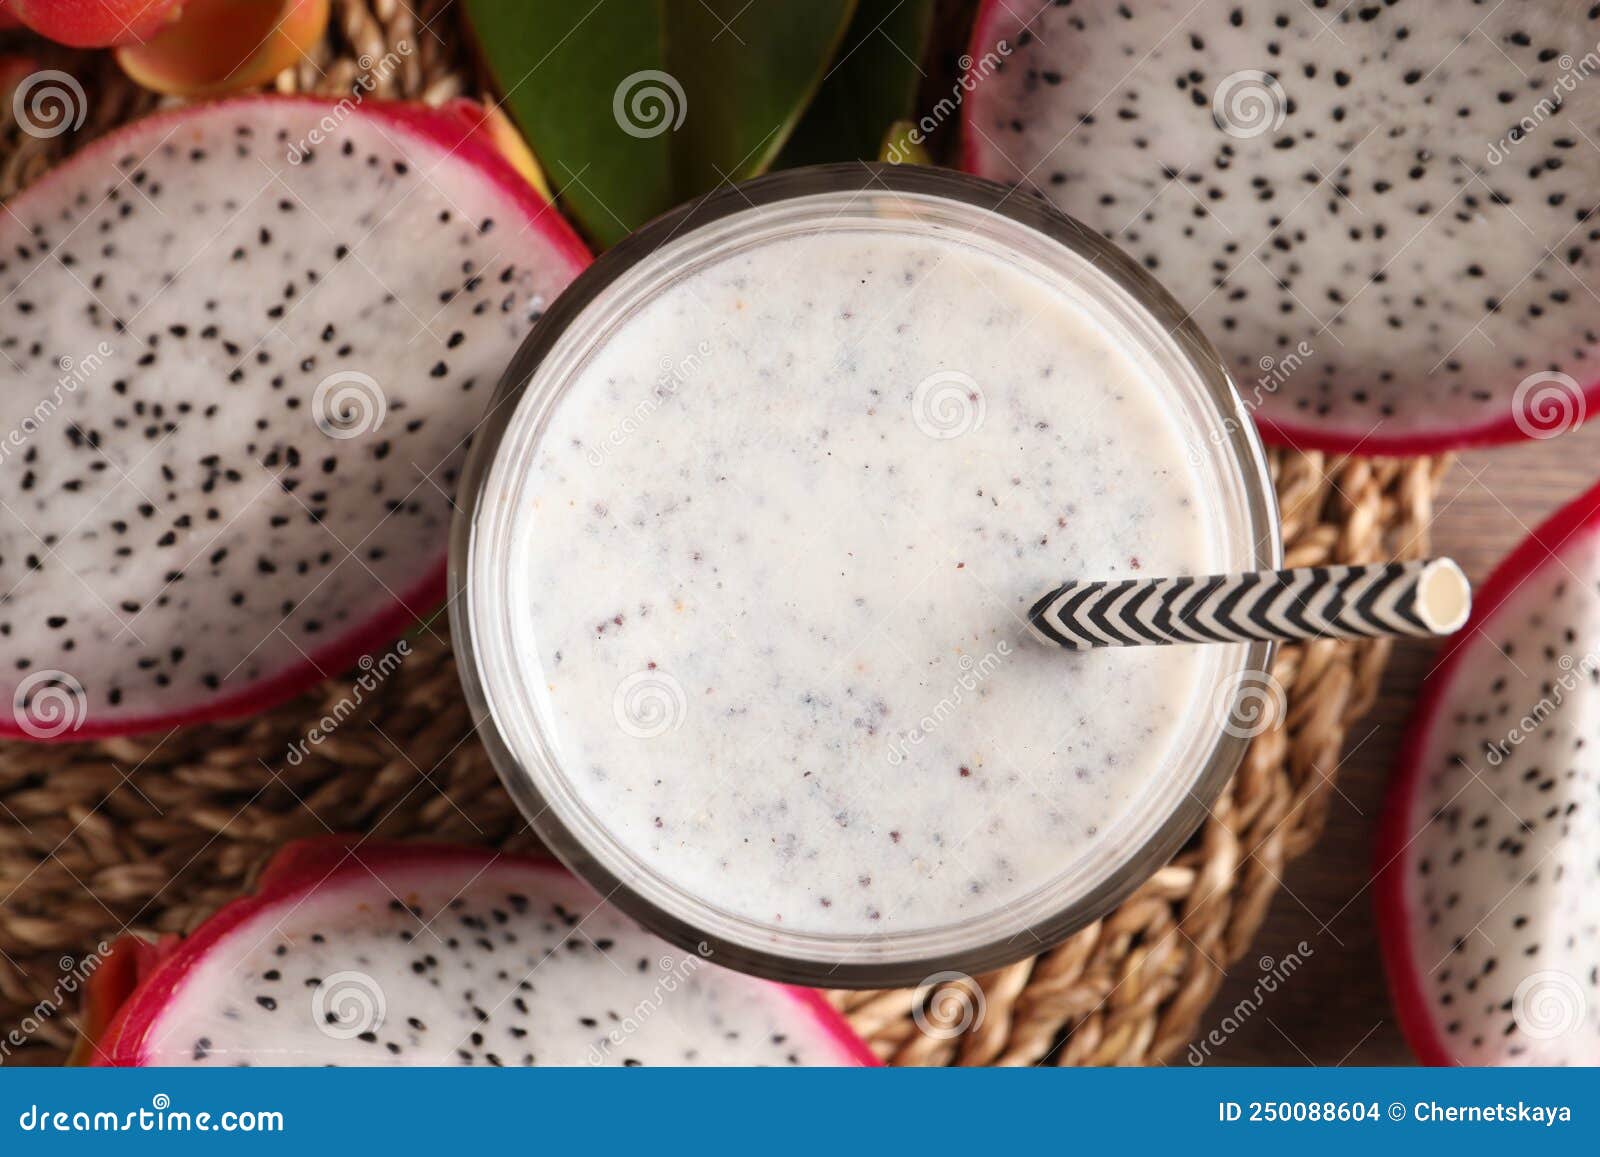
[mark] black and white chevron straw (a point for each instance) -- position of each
(1429, 597)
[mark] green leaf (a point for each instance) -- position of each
(872, 83)
(633, 106)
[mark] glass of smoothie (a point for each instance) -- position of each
(747, 546)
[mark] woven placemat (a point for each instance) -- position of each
(156, 832)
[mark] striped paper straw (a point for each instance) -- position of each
(1423, 598)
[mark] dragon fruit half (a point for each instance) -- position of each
(403, 954)
(1381, 213)
(1491, 841)
(243, 348)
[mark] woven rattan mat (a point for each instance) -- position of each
(154, 833)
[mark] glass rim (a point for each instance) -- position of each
(1032, 212)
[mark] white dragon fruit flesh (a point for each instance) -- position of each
(399, 954)
(1382, 214)
(1490, 852)
(243, 347)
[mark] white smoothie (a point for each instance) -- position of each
(771, 564)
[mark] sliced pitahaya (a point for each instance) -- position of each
(244, 348)
(1380, 213)
(404, 954)
(1491, 842)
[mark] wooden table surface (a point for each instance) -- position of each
(1334, 1009)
